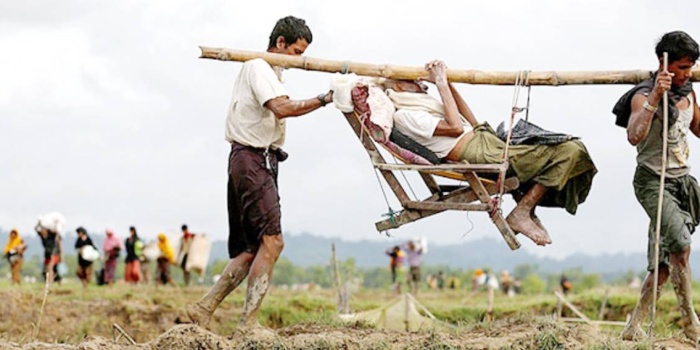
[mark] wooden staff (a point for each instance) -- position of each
(659, 206)
(550, 78)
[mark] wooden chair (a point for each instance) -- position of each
(476, 195)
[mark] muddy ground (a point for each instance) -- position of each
(74, 321)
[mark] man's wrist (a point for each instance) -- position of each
(322, 98)
(649, 107)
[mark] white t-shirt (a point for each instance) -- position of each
(249, 122)
(420, 126)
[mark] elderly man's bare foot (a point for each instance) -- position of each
(195, 314)
(520, 221)
(539, 224)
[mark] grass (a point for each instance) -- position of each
(74, 313)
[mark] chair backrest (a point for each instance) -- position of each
(407, 150)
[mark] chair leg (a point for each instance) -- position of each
(506, 231)
(497, 217)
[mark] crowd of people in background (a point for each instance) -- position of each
(410, 254)
(138, 255)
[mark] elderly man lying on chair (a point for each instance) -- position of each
(556, 175)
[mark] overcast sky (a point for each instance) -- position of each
(108, 116)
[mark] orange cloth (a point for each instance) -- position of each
(14, 242)
(165, 248)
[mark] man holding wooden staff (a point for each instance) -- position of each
(255, 127)
(640, 112)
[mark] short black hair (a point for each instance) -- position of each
(291, 29)
(132, 228)
(80, 230)
(184, 227)
(679, 45)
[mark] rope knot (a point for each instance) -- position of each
(495, 207)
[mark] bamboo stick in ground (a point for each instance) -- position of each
(47, 287)
(572, 307)
(343, 307)
(489, 308)
(593, 322)
(603, 305)
(547, 78)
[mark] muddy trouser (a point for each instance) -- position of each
(680, 211)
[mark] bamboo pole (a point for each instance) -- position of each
(547, 78)
(603, 305)
(593, 322)
(343, 307)
(571, 307)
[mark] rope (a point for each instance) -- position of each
(659, 210)
(345, 67)
(529, 87)
(500, 183)
(391, 213)
(415, 197)
(471, 225)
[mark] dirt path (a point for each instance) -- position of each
(513, 334)
(73, 320)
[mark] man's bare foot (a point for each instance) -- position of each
(520, 221)
(195, 314)
(692, 331)
(539, 224)
(633, 333)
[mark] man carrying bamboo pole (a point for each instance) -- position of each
(255, 127)
(638, 111)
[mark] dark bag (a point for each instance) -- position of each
(100, 277)
(411, 145)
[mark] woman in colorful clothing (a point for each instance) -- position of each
(167, 258)
(132, 273)
(14, 252)
(84, 270)
(396, 258)
(112, 246)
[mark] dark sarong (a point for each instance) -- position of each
(253, 200)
